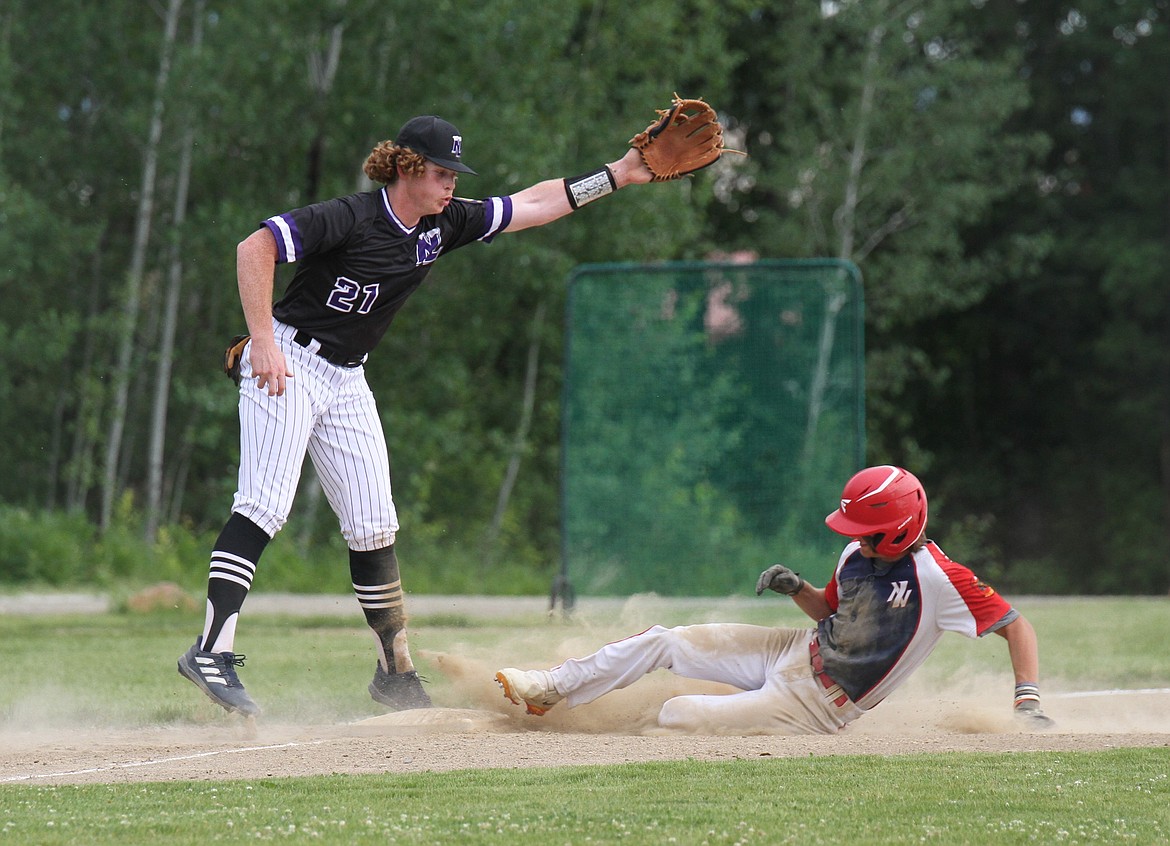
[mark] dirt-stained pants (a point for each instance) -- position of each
(771, 666)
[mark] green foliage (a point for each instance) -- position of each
(40, 548)
(271, 135)
(60, 549)
(1058, 384)
(997, 170)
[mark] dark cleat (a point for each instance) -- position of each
(215, 674)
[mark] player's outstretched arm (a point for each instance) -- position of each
(552, 199)
(809, 599)
(1024, 651)
(684, 137)
(1023, 648)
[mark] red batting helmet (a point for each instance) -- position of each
(885, 501)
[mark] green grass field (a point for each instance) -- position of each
(1119, 796)
(117, 670)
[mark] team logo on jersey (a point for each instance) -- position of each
(983, 587)
(899, 594)
(428, 247)
(457, 146)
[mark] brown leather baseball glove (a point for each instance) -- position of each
(685, 138)
(232, 356)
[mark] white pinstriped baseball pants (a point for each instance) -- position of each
(330, 412)
(771, 666)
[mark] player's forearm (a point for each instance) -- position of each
(539, 204)
(811, 601)
(1023, 649)
(551, 199)
(255, 269)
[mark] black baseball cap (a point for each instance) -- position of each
(434, 139)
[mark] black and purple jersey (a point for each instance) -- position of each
(357, 263)
(887, 617)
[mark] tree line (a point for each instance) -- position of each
(998, 170)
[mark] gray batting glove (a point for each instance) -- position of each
(780, 579)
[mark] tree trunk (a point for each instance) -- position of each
(137, 264)
(844, 219)
(322, 74)
(1165, 386)
(81, 466)
(520, 442)
(180, 465)
(6, 62)
(166, 346)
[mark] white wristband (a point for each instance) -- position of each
(590, 186)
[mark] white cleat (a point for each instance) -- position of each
(533, 689)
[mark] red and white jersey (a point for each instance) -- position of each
(888, 616)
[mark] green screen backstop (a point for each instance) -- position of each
(711, 413)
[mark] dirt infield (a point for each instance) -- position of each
(498, 736)
(485, 731)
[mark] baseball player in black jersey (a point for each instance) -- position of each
(303, 387)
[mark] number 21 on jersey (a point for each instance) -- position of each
(349, 296)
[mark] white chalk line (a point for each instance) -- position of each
(154, 761)
(292, 745)
(1114, 692)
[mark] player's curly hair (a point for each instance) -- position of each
(384, 160)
